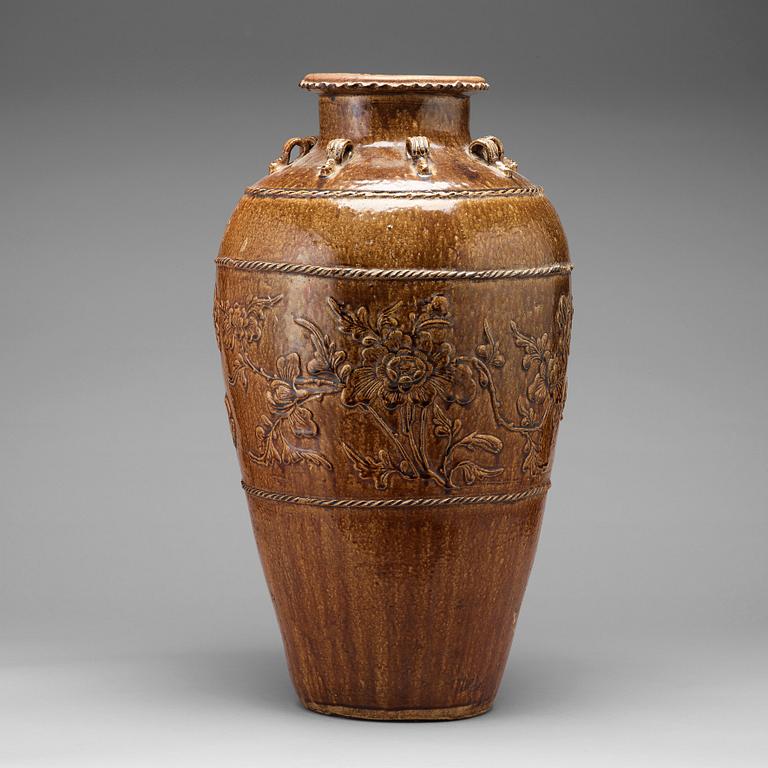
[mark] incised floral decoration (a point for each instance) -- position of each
(400, 368)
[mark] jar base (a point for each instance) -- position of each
(365, 713)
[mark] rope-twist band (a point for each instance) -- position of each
(441, 501)
(373, 194)
(405, 273)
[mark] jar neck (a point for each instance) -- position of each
(365, 118)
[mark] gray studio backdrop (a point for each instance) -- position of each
(135, 626)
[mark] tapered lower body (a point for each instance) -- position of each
(397, 614)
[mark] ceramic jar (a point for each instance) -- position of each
(393, 311)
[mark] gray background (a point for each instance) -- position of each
(135, 625)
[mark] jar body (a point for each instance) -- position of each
(394, 351)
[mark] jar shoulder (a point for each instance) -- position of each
(397, 231)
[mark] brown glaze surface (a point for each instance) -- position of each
(393, 310)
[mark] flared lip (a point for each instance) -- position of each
(353, 81)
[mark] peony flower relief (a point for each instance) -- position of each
(238, 325)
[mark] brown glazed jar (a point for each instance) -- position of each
(393, 311)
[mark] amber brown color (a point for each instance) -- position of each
(393, 311)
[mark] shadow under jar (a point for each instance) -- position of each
(393, 311)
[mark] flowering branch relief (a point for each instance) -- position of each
(401, 370)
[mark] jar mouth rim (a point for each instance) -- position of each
(352, 81)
